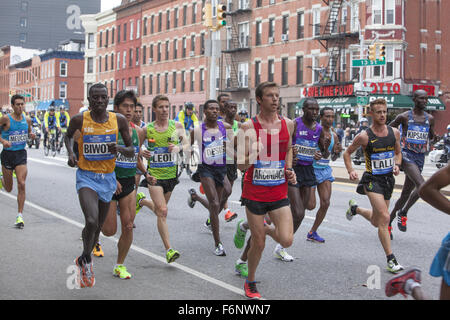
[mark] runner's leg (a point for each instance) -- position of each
(7, 179)
(324, 190)
(21, 174)
(157, 195)
(213, 195)
(127, 215)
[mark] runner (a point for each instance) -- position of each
(409, 282)
(311, 144)
(230, 109)
(163, 136)
(381, 145)
(96, 180)
(266, 158)
(15, 128)
(417, 131)
(125, 195)
(211, 172)
(138, 116)
(324, 173)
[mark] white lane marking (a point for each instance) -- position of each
(137, 249)
(47, 162)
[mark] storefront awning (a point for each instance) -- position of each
(336, 102)
(434, 103)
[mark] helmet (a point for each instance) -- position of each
(51, 108)
(189, 105)
(243, 112)
(363, 120)
(448, 127)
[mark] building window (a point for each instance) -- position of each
(258, 33)
(90, 65)
(175, 49)
(91, 41)
(167, 19)
(106, 38)
(167, 50)
(390, 11)
(137, 56)
(63, 90)
(270, 70)
(202, 80)
(124, 63)
(389, 61)
(112, 61)
(99, 64)
(158, 83)
(144, 55)
(243, 29)
(377, 9)
(160, 22)
(106, 62)
(174, 81)
(193, 44)
(118, 34)
(150, 84)
(175, 17)
(184, 15)
(285, 24)
(300, 25)
(118, 60)
(257, 73)
(63, 69)
(183, 81)
(24, 6)
(124, 32)
(316, 22)
(23, 37)
(299, 70)
(159, 52)
(243, 75)
(130, 58)
(152, 25)
(143, 86)
(192, 81)
(144, 26)
(271, 28)
(131, 29)
(23, 22)
(284, 71)
(194, 13)
(184, 48)
(166, 82)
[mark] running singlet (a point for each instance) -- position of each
(163, 164)
(265, 180)
(324, 163)
(379, 153)
(416, 137)
(306, 142)
(93, 144)
(17, 133)
(126, 167)
(213, 147)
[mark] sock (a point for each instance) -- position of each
(242, 227)
(353, 209)
(19, 215)
(239, 261)
(390, 257)
(410, 284)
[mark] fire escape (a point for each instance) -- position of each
(236, 48)
(334, 37)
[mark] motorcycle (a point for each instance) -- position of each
(37, 140)
(358, 157)
(440, 154)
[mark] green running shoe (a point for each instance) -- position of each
(349, 213)
(239, 236)
(172, 255)
(139, 197)
(241, 269)
(121, 272)
(19, 222)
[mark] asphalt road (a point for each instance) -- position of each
(37, 262)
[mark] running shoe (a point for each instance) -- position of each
(401, 221)
(239, 236)
(191, 202)
(241, 269)
(1, 181)
(19, 222)
(98, 251)
(207, 225)
(250, 290)
(314, 237)
(86, 273)
(349, 213)
(390, 232)
(139, 197)
(393, 266)
(220, 251)
(172, 255)
(397, 283)
(14, 174)
(281, 254)
(230, 216)
(121, 272)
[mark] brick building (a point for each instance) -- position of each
(51, 76)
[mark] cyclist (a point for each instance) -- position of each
(64, 120)
(187, 117)
(243, 116)
(51, 121)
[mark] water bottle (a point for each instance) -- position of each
(151, 147)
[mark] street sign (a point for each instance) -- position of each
(362, 93)
(362, 100)
(27, 95)
(367, 63)
(345, 115)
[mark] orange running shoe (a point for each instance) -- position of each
(229, 216)
(85, 277)
(202, 191)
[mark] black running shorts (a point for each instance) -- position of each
(382, 184)
(128, 185)
(305, 176)
(261, 208)
(11, 159)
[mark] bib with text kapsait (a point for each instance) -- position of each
(382, 163)
(127, 162)
(162, 158)
(269, 173)
(95, 147)
(417, 134)
(305, 149)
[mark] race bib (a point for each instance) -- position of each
(95, 147)
(18, 137)
(126, 162)
(417, 134)
(324, 161)
(382, 163)
(214, 152)
(305, 149)
(268, 173)
(162, 158)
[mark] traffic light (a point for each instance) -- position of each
(382, 56)
(221, 16)
(372, 54)
(207, 15)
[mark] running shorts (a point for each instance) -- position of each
(207, 171)
(323, 174)
(261, 208)
(305, 176)
(128, 185)
(11, 159)
(440, 267)
(168, 184)
(382, 184)
(104, 185)
(412, 157)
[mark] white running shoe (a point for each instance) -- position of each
(281, 254)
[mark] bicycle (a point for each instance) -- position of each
(61, 140)
(51, 143)
(190, 164)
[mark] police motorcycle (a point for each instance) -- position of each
(36, 129)
(441, 153)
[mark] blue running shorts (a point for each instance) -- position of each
(411, 157)
(440, 267)
(323, 174)
(104, 185)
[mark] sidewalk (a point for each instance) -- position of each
(341, 175)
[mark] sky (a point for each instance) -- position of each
(109, 4)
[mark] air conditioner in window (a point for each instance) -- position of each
(271, 40)
(191, 53)
(284, 37)
(150, 60)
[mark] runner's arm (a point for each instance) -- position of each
(4, 122)
(76, 124)
(128, 150)
(247, 146)
(397, 152)
(142, 135)
(399, 120)
(290, 174)
(433, 136)
(429, 191)
(324, 143)
(337, 148)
